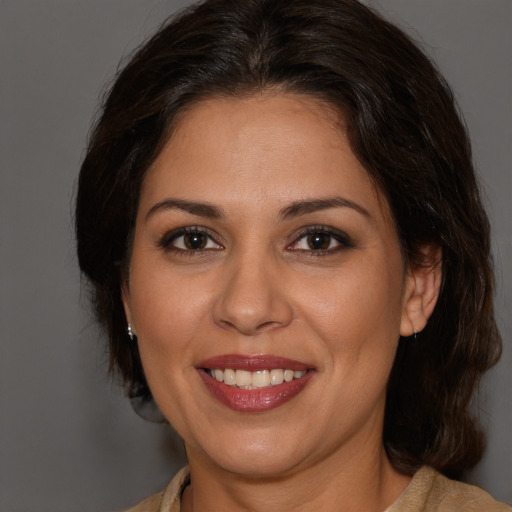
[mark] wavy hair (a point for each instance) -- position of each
(404, 127)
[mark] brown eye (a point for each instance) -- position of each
(189, 239)
(195, 241)
(319, 241)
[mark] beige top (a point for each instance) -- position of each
(429, 491)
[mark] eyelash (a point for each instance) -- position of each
(342, 240)
(167, 240)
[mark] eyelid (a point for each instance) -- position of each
(165, 242)
(343, 239)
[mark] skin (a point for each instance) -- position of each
(258, 288)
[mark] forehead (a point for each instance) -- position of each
(274, 146)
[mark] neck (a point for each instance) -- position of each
(353, 482)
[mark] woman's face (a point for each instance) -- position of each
(262, 249)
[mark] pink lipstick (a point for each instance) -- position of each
(254, 383)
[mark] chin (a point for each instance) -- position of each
(255, 456)
(259, 467)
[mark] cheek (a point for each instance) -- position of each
(168, 314)
(356, 310)
(167, 311)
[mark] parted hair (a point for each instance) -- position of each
(404, 127)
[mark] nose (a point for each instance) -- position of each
(252, 299)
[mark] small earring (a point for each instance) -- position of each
(131, 334)
(415, 335)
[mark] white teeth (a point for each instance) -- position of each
(276, 377)
(244, 379)
(229, 377)
(288, 375)
(261, 379)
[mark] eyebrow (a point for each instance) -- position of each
(295, 209)
(200, 209)
(298, 208)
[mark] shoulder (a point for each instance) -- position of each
(167, 500)
(452, 495)
(429, 491)
(151, 504)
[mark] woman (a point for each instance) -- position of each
(281, 223)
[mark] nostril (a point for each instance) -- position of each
(249, 329)
(267, 326)
(251, 303)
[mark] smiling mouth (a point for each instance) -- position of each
(254, 383)
(260, 379)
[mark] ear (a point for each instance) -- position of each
(422, 286)
(127, 303)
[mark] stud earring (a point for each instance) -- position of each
(130, 332)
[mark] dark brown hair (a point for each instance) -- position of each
(403, 126)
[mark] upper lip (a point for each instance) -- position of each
(252, 363)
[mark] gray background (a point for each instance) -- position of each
(69, 441)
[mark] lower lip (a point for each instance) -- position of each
(254, 400)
